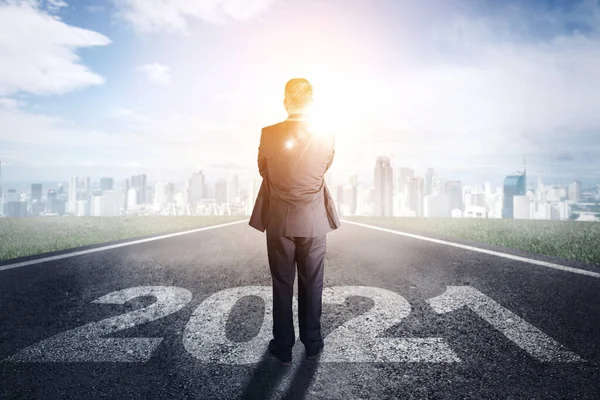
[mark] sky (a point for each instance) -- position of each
(166, 87)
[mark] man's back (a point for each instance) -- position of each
(295, 207)
(293, 159)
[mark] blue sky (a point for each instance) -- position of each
(168, 86)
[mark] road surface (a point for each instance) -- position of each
(189, 317)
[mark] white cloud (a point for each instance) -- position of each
(55, 5)
(156, 73)
(6, 102)
(486, 97)
(94, 9)
(173, 15)
(37, 51)
(27, 128)
(168, 140)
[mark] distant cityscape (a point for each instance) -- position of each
(395, 192)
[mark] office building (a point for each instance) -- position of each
(383, 190)
(477, 199)
(438, 186)
(106, 184)
(402, 179)
(514, 185)
(73, 190)
(454, 191)
(107, 204)
(196, 188)
(221, 191)
(416, 195)
(12, 206)
(575, 191)
(36, 191)
(234, 190)
(82, 208)
(164, 193)
(521, 207)
(138, 182)
(429, 174)
(132, 198)
(349, 196)
(88, 186)
(436, 206)
(475, 212)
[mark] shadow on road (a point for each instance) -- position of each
(265, 378)
(268, 375)
(304, 375)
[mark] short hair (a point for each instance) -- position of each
(298, 92)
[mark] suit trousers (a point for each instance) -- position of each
(308, 254)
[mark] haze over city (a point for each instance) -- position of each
(165, 88)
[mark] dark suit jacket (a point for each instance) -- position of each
(293, 199)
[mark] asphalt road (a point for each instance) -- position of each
(189, 317)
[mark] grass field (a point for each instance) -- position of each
(572, 240)
(29, 236)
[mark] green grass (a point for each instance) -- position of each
(571, 240)
(29, 236)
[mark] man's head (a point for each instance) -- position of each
(298, 95)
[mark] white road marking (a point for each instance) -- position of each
(113, 246)
(358, 340)
(480, 250)
(523, 334)
(205, 336)
(86, 344)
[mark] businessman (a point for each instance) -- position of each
(295, 208)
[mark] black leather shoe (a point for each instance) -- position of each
(313, 354)
(283, 360)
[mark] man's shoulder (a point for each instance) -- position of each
(274, 127)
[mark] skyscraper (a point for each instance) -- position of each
(575, 191)
(454, 191)
(429, 180)
(126, 194)
(196, 186)
(55, 203)
(73, 181)
(514, 185)
(234, 189)
(351, 193)
(138, 182)
(106, 184)
(438, 186)
(415, 195)
(12, 206)
(383, 194)
(160, 199)
(36, 191)
(221, 194)
(403, 177)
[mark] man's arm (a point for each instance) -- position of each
(262, 159)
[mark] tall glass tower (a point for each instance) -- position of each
(383, 193)
(514, 185)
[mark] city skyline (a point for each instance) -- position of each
(466, 87)
(394, 191)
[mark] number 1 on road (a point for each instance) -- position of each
(523, 334)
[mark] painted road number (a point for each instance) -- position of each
(357, 340)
